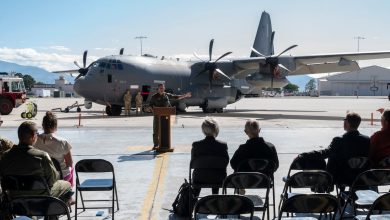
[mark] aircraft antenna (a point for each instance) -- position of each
(140, 40)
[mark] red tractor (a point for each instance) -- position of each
(12, 93)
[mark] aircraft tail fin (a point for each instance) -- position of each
(264, 41)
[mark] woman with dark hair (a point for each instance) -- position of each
(57, 147)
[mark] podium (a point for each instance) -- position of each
(164, 129)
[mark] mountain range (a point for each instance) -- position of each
(39, 74)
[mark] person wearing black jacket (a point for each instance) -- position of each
(209, 147)
(341, 149)
(254, 148)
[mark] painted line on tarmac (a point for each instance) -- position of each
(155, 189)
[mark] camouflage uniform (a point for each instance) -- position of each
(138, 102)
(127, 101)
(160, 100)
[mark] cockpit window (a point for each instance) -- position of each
(120, 67)
(102, 65)
(95, 64)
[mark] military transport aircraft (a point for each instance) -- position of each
(214, 83)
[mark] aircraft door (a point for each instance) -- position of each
(112, 90)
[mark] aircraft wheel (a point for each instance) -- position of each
(78, 109)
(116, 110)
(6, 106)
(108, 110)
(208, 110)
(23, 115)
(219, 110)
(66, 110)
(29, 115)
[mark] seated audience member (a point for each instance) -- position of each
(380, 140)
(57, 147)
(24, 159)
(254, 148)
(209, 147)
(5, 145)
(341, 149)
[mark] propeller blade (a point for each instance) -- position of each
(272, 82)
(283, 67)
(211, 72)
(197, 56)
(85, 58)
(257, 52)
(289, 48)
(272, 42)
(78, 76)
(223, 74)
(211, 48)
(222, 56)
(121, 51)
(77, 64)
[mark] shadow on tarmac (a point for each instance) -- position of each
(145, 155)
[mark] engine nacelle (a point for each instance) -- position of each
(87, 104)
(216, 103)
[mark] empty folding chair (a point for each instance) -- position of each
(38, 206)
(95, 166)
(382, 203)
(363, 193)
(224, 205)
(251, 180)
(262, 166)
(310, 204)
(317, 181)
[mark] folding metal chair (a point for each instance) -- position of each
(317, 181)
(224, 205)
(16, 185)
(302, 163)
(206, 163)
(362, 195)
(262, 166)
(310, 203)
(382, 203)
(251, 180)
(95, 166)
(47, 206)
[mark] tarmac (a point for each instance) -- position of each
(148, 183)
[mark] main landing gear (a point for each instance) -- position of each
(212, 110)
(114, 110)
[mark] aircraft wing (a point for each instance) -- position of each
(311, 64)
(66, 71)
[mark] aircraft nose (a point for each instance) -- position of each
(77, 87)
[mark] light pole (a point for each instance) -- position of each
(140, 40)
(358, 38)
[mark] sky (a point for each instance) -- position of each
(52, 34)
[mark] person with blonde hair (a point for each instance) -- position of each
(209, 146)
(56, 146)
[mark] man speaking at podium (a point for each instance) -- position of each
(161, 99)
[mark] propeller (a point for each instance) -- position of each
(121, 51)
(82, 70)
(211, 66)
(272, 62)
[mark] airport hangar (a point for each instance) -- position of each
(368, 81)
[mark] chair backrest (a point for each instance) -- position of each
(382, 203)
(224, 205)
(373, 177)
(246, 180)
(257, 165)
(29, 184)
(303, 163)
(94, 166)
(384, 163)
(310, 203)
(319, 180)
(57, 165)
(209, 162)
(38, 206)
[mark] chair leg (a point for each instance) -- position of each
(273, 198)
(75, 206)
(117, 202)
(82, 200)
(113, 204)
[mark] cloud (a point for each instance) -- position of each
(106, 49)
(48, 61)
(60, 48)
